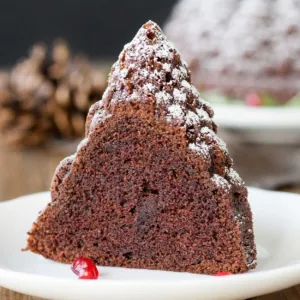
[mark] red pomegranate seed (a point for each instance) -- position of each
(85, 268)
(253, 99)
(223, 274)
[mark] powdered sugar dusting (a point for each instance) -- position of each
(183, 69)
(67, 161)
(203, 115)
(163, 97)
(99, 116)
(167, 67)
(82, 144)
(150, 87)
(195, 92)
(191, 118)
(185, 84)
(194, 147)
(163, 50)
(234, 177)
(177, 74)
(211, 133)
(253, 263)
(179, 96)
(221, 181)
(176, 112)
(124, 73)
(201, 149)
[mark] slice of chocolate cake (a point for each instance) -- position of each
(151, 186)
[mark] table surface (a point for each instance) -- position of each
(30, 171)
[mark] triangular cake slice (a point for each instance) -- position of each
(151, 185)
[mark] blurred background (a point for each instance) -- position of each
(55, 58)
(97, 28)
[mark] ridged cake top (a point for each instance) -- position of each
(150, 70)
(233, 39)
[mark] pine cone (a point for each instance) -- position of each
(75, 93)
(24, 102)
(46, 95)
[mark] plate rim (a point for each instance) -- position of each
(237, 116)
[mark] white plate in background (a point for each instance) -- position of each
(265, 125)
(277, 227)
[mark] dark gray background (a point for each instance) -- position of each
(98, 28)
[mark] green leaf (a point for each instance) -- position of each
(268, 100)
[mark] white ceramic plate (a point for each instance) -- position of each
(247, 117)
(271, 125)
(277, 227)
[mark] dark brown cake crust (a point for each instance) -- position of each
(151, 186)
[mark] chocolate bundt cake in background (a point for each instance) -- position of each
(241, 47)
(151, 186)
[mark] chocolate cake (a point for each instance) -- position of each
(151, 185)
(236, 47)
